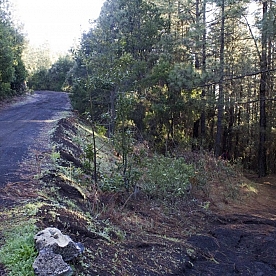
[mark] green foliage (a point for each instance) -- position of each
(37, 58)
(113, 182)
(79, 97)
(184, 76)
(18, 253)
(170, 55)
(18, 83)
(58, 73)
(39, 80)
(101, 130)
(166, 177)
(124, 138)
(12, 69)
(55, 155)
(6, 54)
(89, 152)
(118, 51)
(5, 90)
(120, 181)
(53, 78)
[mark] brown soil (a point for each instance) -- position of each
(241, 239)
(149, 237)
(146, 239)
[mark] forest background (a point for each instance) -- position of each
(175, 75)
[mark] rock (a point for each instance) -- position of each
(59, 243)
(48, 263)
(54, 250)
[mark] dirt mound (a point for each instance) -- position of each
(62, 137)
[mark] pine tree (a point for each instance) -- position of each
(263, 92)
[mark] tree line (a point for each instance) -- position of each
(181, 75)
(198, 74)
(22, 66)
(12, 69)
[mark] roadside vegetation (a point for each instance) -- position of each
(18, 252)
(12, 69)
(145, 202)
(167, 119)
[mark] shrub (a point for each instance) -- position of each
(210, 170)
(167, 177)
(18, 253)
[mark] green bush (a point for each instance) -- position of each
(18, 253)
(113, 182)
(166, 177)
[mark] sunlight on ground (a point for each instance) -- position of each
(137, 221)
(268, 183)
(249, 188)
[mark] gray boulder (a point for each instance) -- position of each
(48, 263)
(59, 243)
(55, 249)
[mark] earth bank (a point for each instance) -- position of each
(149, 237)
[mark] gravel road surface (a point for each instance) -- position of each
(20, 125)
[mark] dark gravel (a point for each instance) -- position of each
(20, 126)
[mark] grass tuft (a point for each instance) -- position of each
(18, 253)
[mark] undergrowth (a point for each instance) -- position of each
(166, 177)
(18, 253)
(215, 175)
(157, 177)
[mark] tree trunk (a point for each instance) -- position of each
(112, 113)
(203, 92)
(218, 148)
(263, 90)
(195, 146)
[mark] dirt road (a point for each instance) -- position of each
(20, 125)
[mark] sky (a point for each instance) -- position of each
(59, 23)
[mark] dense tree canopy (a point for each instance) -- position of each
(12, 69)
(198, 74)
(47, 76)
